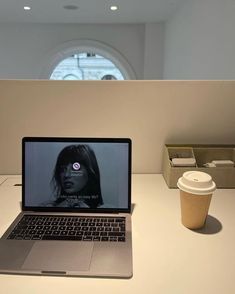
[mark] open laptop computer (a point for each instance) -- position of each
(76, 209)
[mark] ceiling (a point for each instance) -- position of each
(87, 11)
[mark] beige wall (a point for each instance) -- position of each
(150, 112)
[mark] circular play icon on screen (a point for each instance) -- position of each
(76, 166)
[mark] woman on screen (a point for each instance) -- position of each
(76, 179)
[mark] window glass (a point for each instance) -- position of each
(86, 66)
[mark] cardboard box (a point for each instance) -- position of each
(224, 177)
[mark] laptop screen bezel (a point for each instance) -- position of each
(76, 140)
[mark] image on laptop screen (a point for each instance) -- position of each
(76, 175)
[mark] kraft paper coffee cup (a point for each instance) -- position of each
(196, 189)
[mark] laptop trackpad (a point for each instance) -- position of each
(59, 256)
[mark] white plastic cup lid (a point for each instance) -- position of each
(196, 182)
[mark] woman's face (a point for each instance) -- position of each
(73, 178)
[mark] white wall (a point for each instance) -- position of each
(151, 113)
(154, 51)
(24, 47)
(200, 41)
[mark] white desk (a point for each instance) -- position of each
(167, 257)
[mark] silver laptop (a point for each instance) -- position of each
(76, 209)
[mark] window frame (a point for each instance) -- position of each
(79, 46)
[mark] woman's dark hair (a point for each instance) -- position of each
(85, 156)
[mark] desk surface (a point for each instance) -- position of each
(167, 257)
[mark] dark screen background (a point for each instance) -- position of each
(40, 161)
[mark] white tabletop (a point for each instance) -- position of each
(167, 257)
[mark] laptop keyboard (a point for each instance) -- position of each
(77, 228)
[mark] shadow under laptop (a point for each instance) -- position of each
(132, 207)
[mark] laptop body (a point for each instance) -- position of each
(84, 180)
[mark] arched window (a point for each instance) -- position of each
(86, 60)
(86, 66)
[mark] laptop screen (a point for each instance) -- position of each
(74, 174)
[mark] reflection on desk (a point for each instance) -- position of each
(167, 257)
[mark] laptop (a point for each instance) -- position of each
(76, 209)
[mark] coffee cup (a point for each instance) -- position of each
(196, 189)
